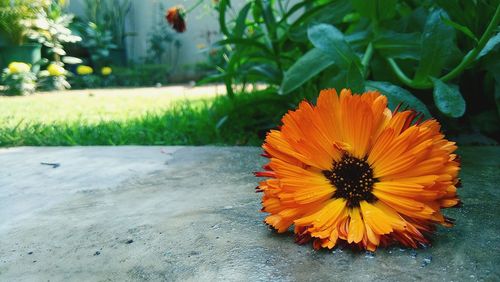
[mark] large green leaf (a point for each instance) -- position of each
(306, 67)
(448, 99)
(397, 95)
(391, 44)
(437, 45)
(331, 41)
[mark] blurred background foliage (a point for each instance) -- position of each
(439, 57)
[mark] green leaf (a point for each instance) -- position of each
(222, 8)
(351, 17)
(358, 39)
(391, 44)
(221, 122)
(460, 27)
(331, 41)
(306, 67)
(245, 43)
(490, 45)
(292, 10)
(268, 15)
(240, 21)
(376, 9)
(351, 78)
(448, 99)
(213, 78)
(397, 95)
(266, 73)
(437, 44)
(332, 12)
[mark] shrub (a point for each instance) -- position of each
(444, 51)
(18, 79)
(53, 78)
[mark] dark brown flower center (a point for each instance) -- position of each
(353, 179)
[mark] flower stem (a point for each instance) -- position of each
(471, 56)
(402, 76)
(194, 6)
(366, 58)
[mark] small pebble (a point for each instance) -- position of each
(426, 261)
(97, 253)
(30, 253)
(130, 241)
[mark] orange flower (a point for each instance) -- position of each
(350, 170)
(175, 17)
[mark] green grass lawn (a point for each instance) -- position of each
(114, 118)
(103, 118)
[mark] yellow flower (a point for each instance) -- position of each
(84, 70)
(350, 171)
(106, 71)
(18, 67)
(56, 70)
(201, 46)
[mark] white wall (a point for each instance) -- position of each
(202, 26)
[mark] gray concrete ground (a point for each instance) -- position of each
(191, 214)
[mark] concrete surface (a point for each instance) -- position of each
(191, 214)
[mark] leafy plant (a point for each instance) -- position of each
(131, 76)
(50, 28)
(85, 81)
(141, 75)
(98, 40)
(13, 17)
(110, 15)
(18, 79)
(53, 78)
(443, 51)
